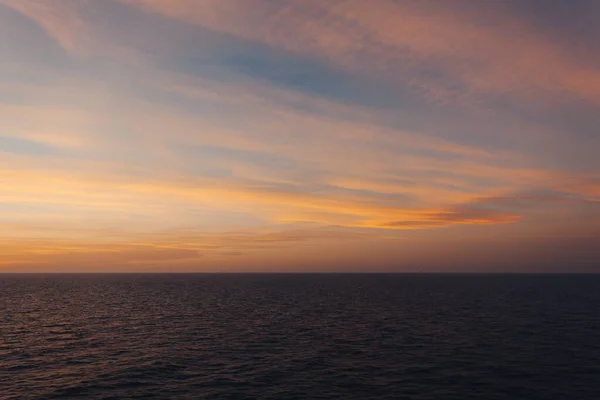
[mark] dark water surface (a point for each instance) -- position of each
(300, 337)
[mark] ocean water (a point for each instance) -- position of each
(300, 337)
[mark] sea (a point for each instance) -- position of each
(300, 336)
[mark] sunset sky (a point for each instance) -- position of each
(299, 135)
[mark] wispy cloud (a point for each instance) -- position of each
(443, 46)
(256, 126)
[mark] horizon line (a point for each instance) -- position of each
(303, 273)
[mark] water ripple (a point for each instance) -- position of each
(299, 337)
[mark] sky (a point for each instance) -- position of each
(299, 136)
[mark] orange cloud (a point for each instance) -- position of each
(127, 158)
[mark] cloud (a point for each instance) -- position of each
(123, 195)
(65, 21)
(166, 249)
(508, 208)
(460, 215)
(146, 132)
(447, 50)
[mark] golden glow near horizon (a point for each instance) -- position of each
(251, 135)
